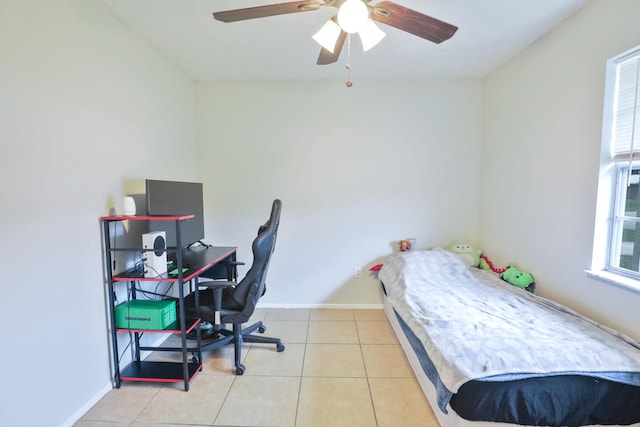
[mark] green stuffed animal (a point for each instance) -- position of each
(469, 254)
(518, 278)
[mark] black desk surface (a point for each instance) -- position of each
(196, 261)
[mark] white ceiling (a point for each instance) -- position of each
(281, 47)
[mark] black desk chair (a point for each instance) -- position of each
(225, 302)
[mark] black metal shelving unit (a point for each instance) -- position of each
(191, 350)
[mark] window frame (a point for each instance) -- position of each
(610, 211)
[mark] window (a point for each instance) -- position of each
(617, 237)
(624, 254)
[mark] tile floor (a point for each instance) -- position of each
(339, 368)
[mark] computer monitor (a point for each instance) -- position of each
(176, 198)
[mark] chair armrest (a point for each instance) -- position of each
(217, 284)
(232, 269)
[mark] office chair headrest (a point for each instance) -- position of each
(274, 218)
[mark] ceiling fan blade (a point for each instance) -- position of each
(327, 57)
(413, 22)
(265, 11)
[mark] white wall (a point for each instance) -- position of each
(543, 123)
(357, 170)
(87, 110)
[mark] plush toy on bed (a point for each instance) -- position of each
(510, 274)
(486, 264)
(518, 278)
(469, 254)
(406, 245)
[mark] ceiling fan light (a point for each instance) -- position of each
(370, 35)
(353, 16)
(328, 35)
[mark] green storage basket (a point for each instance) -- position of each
(145, 314)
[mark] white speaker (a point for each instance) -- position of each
(156, 253)
(128, 206)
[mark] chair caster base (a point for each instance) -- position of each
(239, 369)
(280, 348)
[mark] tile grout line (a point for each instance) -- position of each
(304, 355)
(314, 321)
(366, 375)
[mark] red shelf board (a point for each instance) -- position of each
(173, 328)
(164, 372)
(146, 217)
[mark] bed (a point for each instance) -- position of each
(488, 353)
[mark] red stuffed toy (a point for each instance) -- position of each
(485, 264)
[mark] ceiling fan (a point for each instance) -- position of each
(336, 29)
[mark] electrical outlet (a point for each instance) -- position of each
(358, 272)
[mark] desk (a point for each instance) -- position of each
(205, 261)
(208, 261)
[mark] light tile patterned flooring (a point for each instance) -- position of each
(340, 368)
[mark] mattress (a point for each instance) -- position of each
(460, 369)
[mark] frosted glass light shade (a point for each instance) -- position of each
(328, 35)
(370, 35)
(353, 16)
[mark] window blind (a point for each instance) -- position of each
(625, 135)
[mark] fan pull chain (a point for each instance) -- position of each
(349, 83)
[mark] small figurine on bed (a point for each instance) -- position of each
(469, 254)
(518, 278)
(406, 245)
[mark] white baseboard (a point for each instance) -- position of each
(343, 306)
(69, 422)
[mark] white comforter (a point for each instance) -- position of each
(475, 326)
